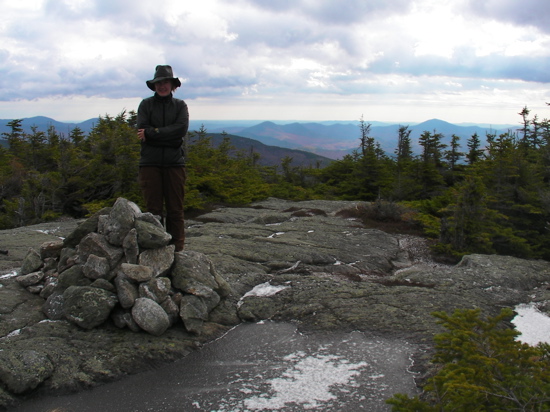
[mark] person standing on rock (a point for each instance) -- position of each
(162, 122)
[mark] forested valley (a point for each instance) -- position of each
(468, 197)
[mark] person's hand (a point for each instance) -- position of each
(141, 134)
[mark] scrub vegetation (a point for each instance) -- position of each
(486, 198)
(480, 366)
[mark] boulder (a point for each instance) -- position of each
(120, 220)
(51, 249)
(30, 279)
(131, 247)
(149, 218)
(96, 267)
(73, 276)
(160, 260)
(171, 307)
(87, 306)
(150, 236)
(156, 289)
(22, 371)
(127, 291)
(84, 228)
(192, 268)
(96, 244)
(136, 273)
(193, 312)
(31, 263)
(54, 306)
(50, 285)
(150, 316)
(103, 284)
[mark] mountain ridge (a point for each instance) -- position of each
(330, 139)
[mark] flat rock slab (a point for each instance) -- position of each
(263, 366)
(299, 262)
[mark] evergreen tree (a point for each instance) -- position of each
(431, 166)
(220, 175)
(453, 155)
(406, 184)
(15, 138)
(474, 153)
(110, 155)
(469, 225)
(526, 131)
(482, 367)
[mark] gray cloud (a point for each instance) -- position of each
(336, 12)
(521, 13)
(256, 47)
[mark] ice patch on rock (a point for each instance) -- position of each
(308, 382)
(532, 323)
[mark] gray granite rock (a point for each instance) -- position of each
(289, 261)
(51, 249)
(160, 260)
(120, 220)
(30, 279)
(127, 291)
(31, 263)
(73, 276)
(96, 244)
(150, 316)
(150, 236)
(193, 312)
(22, 371)
(131, 247)
(54, 307)
(84, 228)
(87, 306)
(136, 273)
(96, 267)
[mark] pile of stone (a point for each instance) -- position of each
(119, 264)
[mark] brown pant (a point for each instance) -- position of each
(165, 186)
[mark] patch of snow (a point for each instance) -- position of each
(9, 275)
(50, 232)
(47, 231)
(294, 266)
(275, 234)
(264, 289)
(12, 333)
(308, 383)
(261, 290)
(532, 323)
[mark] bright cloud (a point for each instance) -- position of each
(392, 60)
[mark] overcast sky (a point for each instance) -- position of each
(386, 60)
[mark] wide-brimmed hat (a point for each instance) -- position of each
(163, 72)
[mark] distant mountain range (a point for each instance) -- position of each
(336, 140)
(271, 155)
(43, 123)
(330, 140)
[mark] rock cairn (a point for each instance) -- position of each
(119, 264)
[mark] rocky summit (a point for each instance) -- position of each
(87, 302)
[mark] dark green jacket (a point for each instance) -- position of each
(166, 121)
